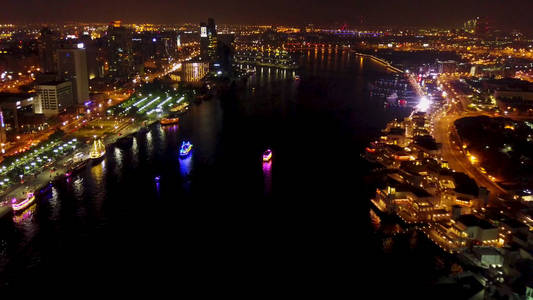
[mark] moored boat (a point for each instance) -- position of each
(21, 204)
(180, 108)
(97, 152)
(169, 121)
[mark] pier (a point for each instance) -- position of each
(387, 64)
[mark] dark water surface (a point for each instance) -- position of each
(221, 220)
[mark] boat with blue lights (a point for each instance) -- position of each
(267, 155)
(21, 204)
(185, 149)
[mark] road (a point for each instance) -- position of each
(443, 127)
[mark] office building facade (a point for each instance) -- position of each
(72, 66)
(54, 97)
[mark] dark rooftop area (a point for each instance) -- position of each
(471, 220)
(427, 142)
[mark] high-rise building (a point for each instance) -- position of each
(204, 41)
(72, 66)
(208, 40)
(212, 38)
(54, 97)
(47, 45)
(96, 55)
(120, 55)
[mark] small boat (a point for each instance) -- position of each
(77, 167)
(267, 155)
(19, 205)
(185, 149)
(296, 77)
(169, 121)
(97, 152)
(180, 108)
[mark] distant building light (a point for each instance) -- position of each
(81, 46)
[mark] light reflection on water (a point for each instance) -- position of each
(26, 216)
(98, 176)
(149, 145)
(54, 203)
(186, 165)
(118, 158)
(267, 174)
(134, 153)
(161, 136)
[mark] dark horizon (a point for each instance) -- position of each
(509, 14)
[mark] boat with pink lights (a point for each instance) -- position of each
(21, 204)
(267, 155)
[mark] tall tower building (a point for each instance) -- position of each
(204, 41)
(208, 40)
(120, 55)
(212, 38)
(72, 66)
(47, 45)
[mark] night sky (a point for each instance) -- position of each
(511, 13)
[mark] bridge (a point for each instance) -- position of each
(387, 64)
(273, 59)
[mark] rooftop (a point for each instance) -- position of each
(472, 221)
(14, 97)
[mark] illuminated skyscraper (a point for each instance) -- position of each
(212, 38)
(208, 40)
(120, 55)
(72, 66)
(204, 41)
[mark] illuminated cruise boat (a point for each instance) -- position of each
(19, 205)
(169, 121)
(267, 155)
(180, 108)
(185, 149)
(97, 152)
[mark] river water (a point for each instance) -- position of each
(221, 217)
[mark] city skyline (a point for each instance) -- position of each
(282, 140)
(509, 14)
